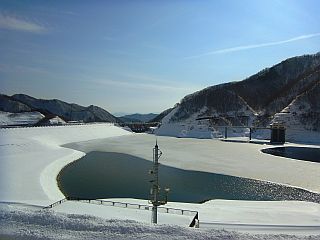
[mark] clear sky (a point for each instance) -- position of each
(144, 56)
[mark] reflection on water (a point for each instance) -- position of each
(300, 153)
(117, 175)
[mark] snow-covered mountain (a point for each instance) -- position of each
(138, 117)
(290, 85)
(160, 116)
(67, 111)
(8, 104)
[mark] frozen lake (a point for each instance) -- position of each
(299, 153)
(214, 156)
(117, 175)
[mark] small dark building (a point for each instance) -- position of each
(278, 133)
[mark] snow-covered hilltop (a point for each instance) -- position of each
(290, 87)
(67, 111)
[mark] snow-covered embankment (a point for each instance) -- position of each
(31, 158)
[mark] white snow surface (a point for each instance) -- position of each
(234, 157)
(31, 158)
(32, 222)
(295, 131)
(291, 217)
(56, 121)
(202, 129)
(24, 118)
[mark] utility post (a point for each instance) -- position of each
(155, 188)
(225, 132)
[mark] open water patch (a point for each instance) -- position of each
(300, 153)
(116, 175)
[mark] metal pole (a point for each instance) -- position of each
(154, 214)
(225, 132)
(155, 189)
(155, 184)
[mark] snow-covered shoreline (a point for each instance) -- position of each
(51, 172)
(31, 159)
(42, 149)
(233, 158)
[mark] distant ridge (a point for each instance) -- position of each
(67, 111)
(138, 117)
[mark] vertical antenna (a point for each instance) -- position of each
(155, 189)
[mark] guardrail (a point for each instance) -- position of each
(56, 203)
(178, 211)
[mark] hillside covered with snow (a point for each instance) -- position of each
(23, 118)
(67, 111)
(290, 87)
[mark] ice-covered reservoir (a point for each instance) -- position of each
(32, 158)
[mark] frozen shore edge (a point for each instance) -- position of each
(48, 177)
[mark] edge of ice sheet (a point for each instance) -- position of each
(48, 177)
(31, 158)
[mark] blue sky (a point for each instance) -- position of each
(144, 56)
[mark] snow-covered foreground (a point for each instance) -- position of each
(31, 222)
(31, 158)
(292, 217)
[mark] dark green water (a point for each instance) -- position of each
(300, 153)
(117, 175)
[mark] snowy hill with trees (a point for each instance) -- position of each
(137, 117)
(7, 104)
(291, 84)
(66, 111)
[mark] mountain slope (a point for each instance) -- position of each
(265, 87)
(303, 111)
(161, 115)
(259, 97)
(62, 109)
(137, 117)
(8, 104)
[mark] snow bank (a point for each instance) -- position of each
(185, 131)
(32, 157)
(24, 118)
(121, 213)
(22, 222)
(202, 129)
(50, 173)
(249, 216)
